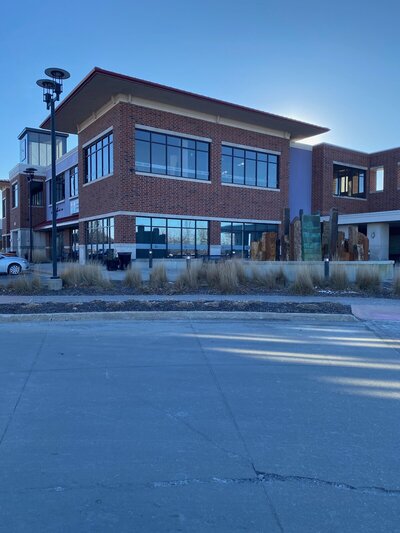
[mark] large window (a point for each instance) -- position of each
(14, 195)
(99, 238)
(348, 181)
(249, 167)
(99, 158)
(237, 236)
(73, 181)
(170, 237)
(170, 155)
(37, 193)
(60, 187)
(4, 206)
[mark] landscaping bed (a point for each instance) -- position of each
(176, 305)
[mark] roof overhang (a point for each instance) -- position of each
(100, 86)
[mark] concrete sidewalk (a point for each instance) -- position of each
(363, 308)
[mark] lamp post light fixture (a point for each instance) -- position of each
(30, 174)
(52, 89)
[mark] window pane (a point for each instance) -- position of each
(272, 175)
(174, 161)
(106, 166)
(238, 152)
(261, 174)
(143, 135)
(158, 157)
(238, 170)
(173, 141)
(250, 155)
(188, 163)
(202, 165)
(226, 150)
(272, 158)
(201, 224)
(261, 156)
(202, 146)
(250, 172)
(187, 143)
(174, 222)
(188, 223)
(158, 138)
(227, 169)
(142, 221)
(361, 182)
(159, 221)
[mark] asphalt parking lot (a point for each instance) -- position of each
(199, 426)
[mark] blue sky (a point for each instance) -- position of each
(335, 64)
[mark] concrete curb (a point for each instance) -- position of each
(174, 315)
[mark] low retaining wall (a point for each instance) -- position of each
(290, 268)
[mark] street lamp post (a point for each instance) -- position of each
(30, 174)
(52, 89)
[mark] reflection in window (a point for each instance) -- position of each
(249, 167)
(377, 178)
(171, 155)
(99, 238)
(170, 237)
(99, 158)
(237, 236)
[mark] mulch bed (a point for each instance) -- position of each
(173, 305)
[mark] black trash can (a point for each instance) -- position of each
(124, 259)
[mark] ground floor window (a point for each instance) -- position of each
(99, 238)
(237, 236)
(171, 237)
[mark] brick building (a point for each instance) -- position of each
(178, 173)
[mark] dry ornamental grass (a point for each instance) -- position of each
(133, 278)
(89, 275)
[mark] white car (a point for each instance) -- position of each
(12, 265)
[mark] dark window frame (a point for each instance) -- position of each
(73, 181)
(99, 249)
(249, 155)
(344, 179)
(14, 195)
(60, 187)
(176, 142)
(94, 153)
(163, 249)
(243, 250)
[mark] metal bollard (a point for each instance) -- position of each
(150, 259)
(188, 262)
(326, 267)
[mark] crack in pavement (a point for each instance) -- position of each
(264, 477)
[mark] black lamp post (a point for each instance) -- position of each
(30, 174)
(52, 89)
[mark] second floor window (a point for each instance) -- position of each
(99, 158)
(73, 181)
(158, 153)
(348, 181)
(249, 167)
(377, 179)
(14, 195)
(4, 207)
(60, 187)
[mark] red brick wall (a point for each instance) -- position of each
(19, 217)
(322, 180)
(129, 191)
(389, 198)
